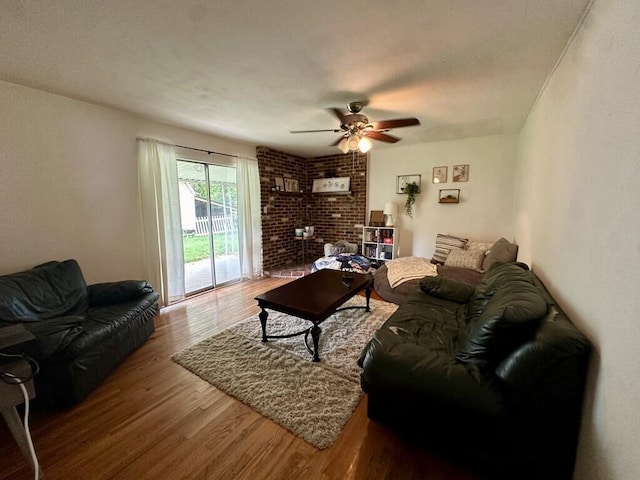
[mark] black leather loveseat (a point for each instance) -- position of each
(81, 332)
(492, 375)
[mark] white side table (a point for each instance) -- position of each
(10, 397)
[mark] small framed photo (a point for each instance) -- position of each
(288, 185)
(294, 185)
(403, 180)
(279, 183)
(439, 175)
(461, 173)
(449, 196)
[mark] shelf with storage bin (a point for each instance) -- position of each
(380, 243)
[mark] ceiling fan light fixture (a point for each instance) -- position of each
(344, 145)
(353, 142)
(364, 145)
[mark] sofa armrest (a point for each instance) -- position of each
(104, 294)
(555, 351)
(407, 369)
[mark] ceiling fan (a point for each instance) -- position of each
(357, 131)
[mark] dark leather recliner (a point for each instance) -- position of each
(493, 375)
(82, 333)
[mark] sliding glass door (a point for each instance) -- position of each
(209, 215)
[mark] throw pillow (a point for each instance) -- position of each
(471, 259)
(472, 245)
(447, 288)
(502, 251)
(444, 244)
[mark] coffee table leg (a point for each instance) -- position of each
(315, 334)
(367, 293)
(263, 321)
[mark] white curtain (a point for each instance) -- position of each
(249, 220)
(164, 258)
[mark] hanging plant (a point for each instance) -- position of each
(411, 189)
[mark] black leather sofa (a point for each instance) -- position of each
(492, 375)
(82, 333)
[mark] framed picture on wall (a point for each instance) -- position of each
(403, 180)
(279, 183)
(288, 185)
(439, 175)
(461, 173)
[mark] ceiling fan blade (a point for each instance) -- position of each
(400, 122)
(383, 137)
(338, 113)
(313, 131)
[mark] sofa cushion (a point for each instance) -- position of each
(447, 288)
(471, 259)
(55, 289)
(502, 251)
(444, 244)
(500, 275)
(54, 335)
(509, 318)
(104, 322)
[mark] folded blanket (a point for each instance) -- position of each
(409, 268)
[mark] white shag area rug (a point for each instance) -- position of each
(278, 378)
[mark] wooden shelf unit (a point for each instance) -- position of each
(380, 243)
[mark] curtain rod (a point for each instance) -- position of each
(208, 152)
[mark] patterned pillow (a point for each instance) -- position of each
(444, 244)
(472, 245)
(471, 259)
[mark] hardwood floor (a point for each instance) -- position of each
(152, 419)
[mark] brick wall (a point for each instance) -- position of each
(338, 217)
(334, 217)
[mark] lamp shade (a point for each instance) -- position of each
(364, 145)
(353, 142)
(344, 145)
(390, 208)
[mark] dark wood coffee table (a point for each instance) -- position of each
(315, 298)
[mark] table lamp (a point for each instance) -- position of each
(390, 209)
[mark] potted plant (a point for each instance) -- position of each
(299, 228)
(411, 189)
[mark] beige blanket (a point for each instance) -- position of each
(409, 268)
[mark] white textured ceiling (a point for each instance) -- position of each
(254, 70)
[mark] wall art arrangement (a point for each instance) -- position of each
(331, 185)
(403, 180)
(439, 175)
(461, 173)
(283, 184)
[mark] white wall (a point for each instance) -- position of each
(577, 221)
(486, 200)
(69, 182)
